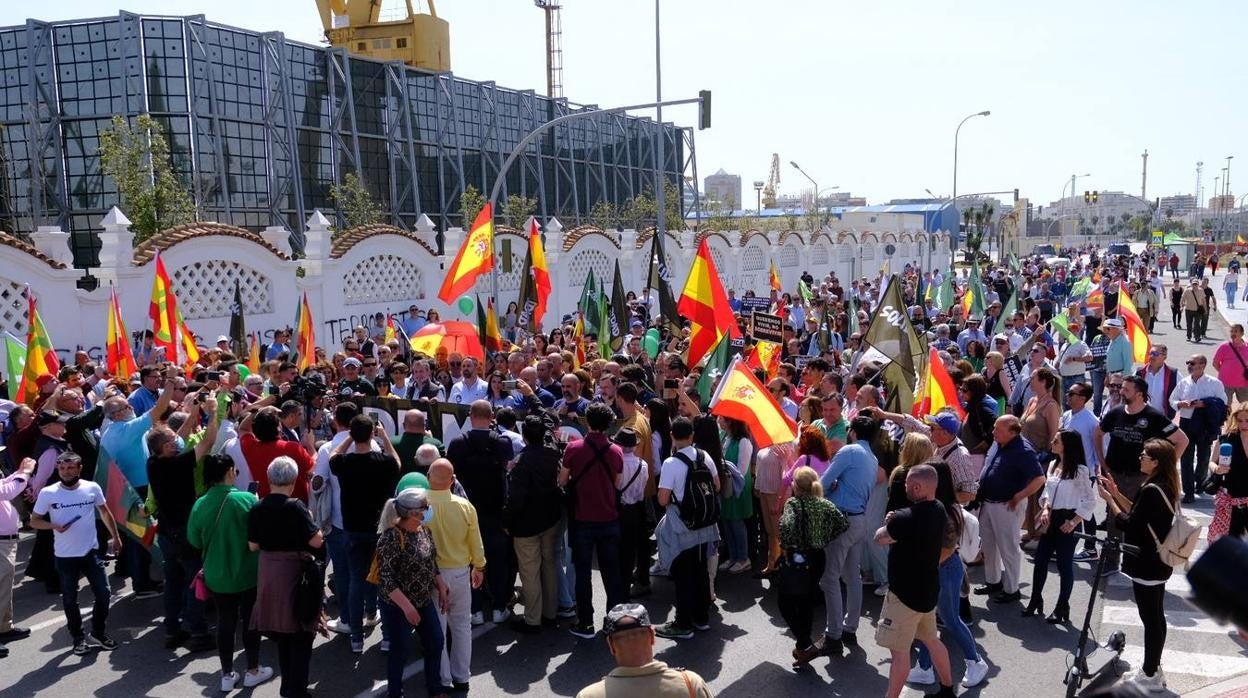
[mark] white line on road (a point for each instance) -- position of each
(417, 667)
(1183, 621)
(86, 615)
(1177, 584)
(1194, 663)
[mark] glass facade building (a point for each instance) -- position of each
(261, 127)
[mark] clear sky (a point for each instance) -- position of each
(866, 95)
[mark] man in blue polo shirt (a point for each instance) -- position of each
(848, 482)
(1011, 476)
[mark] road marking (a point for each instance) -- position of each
(1177, 584)
(86, 615)
(417, 667)
(1194, 663)
(1183, 621)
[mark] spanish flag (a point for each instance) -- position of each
(253, 354)
(740, 396)
(968, 301)
(164, 312)
(1239, 239)
(705, 304)
(305, 335)
(774, 278)
(578, 339)
(119, 357)
(764, 355)
(187, 339)
(40, 356)
(936, 390)
(475, 257)
(392, 329)
(540, 272)
(1095, 299)
(1135, 330)
(487, 326)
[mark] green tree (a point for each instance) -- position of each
(471, 201)
(790, 222)
(604, 216)
(355, 203)
(517, 209)
(137, 159)
(638, 212)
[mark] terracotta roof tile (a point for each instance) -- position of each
(750, 235)
(784, 237)
(146, 251)
(350, 238)
(23, 246)
(571, 237)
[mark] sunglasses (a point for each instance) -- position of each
(1114, 387)
(1192, 363)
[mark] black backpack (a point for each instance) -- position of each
(699, 504)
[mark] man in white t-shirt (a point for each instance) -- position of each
(67, 508)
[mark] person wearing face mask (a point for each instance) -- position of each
(68, 508)
(171, 474)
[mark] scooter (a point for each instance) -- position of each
(1089, 664)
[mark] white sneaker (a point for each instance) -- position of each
(975, 672)
(922, 676)
(478, 618)
(1153, 684)
(228, 681)
(501, 616)
(261, 675)
(881, 590)
(339, 626)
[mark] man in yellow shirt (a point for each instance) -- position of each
(461, 562)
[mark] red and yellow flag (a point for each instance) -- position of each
(164, 312)
(392, 330)
(968, 300)
(541, 273)
(475, 257)
(705, 304)
(40, 356)
(578, 339)
(1135, 330)
(774, 278)
(764, 355)
(190, 352)
(1096, 298)
(936, 390)
(253, 353)
(740, 396)
(305, 335)
(119, 357)
(487, 325)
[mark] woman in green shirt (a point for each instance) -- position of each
(218, 529)
(734, 510)
(809, 522)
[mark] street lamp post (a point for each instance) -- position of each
(953, 239)
(1073, 179)
(816, 190)
(758, 193)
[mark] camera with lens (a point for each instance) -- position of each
(305, 390)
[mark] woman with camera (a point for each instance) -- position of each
(1145, 521)
(1230, 501)
(1067, 500)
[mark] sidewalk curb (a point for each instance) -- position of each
(1236, 687)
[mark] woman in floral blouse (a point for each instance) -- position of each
(407, 581)
(808, 524)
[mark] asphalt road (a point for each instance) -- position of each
(745, 653)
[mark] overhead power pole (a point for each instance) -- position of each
(1144, 177)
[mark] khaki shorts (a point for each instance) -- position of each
(899, 625)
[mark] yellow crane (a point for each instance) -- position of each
(769, 191)
(419, 40)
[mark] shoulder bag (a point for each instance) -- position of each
(1179, 544)
(198, 586)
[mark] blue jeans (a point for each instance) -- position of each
(180, 565)
(400, 631)
(947, 605)
(1054, 542)
(71, 569)
(360, 549)
(566, 570)
(1230, 294)
(735, 541)
(1098, 390)
(603, 538)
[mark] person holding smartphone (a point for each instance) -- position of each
(65, 508)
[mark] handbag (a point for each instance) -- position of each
(198, 586)
(793, 578)
(309, 594)
(374, 568)
(1242, 364)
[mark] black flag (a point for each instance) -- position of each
(892, 334)
(238, 328)
(660, 280)
(619, 315)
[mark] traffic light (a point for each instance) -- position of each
(1087, 196)
(704, 109)
(1095, 196)
(1015, 194)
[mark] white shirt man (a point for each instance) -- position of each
(470, 388)
(1080, 419)
(1196, 386)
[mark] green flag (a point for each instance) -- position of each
(588, 304)
(945, 295)
(607, 333)
(15, 356)
(852, 315)
(804, 291)
(1060, 323)
(976, 285)
(1011, 305)
(716, 363)
(892, 334)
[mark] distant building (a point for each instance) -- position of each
(1179, 204)
(837, 198)
(1101, 215)
(724, 188)
(1222, 203)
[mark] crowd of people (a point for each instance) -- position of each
(262, 482)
